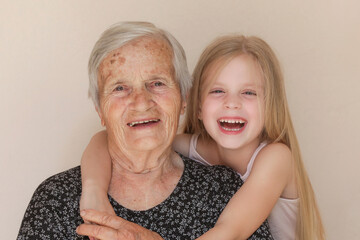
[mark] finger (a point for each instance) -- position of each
(87, 222)
(96, 231)
(102, 218)
(91, 238)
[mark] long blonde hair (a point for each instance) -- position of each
(278, 126)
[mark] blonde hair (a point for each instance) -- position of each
(278, 126)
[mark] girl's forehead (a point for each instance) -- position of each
(245, 67)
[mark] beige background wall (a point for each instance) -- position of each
(46, 118)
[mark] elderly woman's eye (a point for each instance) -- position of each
(119, 88)
(158, 84)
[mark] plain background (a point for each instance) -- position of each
(47, 120)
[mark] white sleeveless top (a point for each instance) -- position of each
(282, 219)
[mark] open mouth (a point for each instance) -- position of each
(232, 125)
(143, 123)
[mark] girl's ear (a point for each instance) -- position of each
(199, 114)
(101, 116)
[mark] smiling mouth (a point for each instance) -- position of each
(231, 125)
(143, 123)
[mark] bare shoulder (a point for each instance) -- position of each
(181, 144)
(276, 152)
(276, 160)
(275, 157)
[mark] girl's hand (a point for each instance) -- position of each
(92, 198)
(112, 227)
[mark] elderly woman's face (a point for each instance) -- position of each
(140, 101)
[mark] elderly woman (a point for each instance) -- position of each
(138, 82)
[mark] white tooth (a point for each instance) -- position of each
(141, 122)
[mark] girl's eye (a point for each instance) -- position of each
(250, 93)
(216, 91)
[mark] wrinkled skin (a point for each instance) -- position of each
(140, 106)
(136, 83)
(110, 227)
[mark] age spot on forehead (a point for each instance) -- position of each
(117, 57)
(156, 46)
(119, 60)
(113, 60)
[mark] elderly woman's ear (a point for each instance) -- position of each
(183, 107)
(184, 104)
(100, 116)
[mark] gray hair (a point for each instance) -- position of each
(120, 34)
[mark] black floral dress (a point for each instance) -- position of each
(191, 210)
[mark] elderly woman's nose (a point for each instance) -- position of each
(142, 100)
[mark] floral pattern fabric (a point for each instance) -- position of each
(191, 210)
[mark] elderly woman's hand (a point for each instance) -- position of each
(113, 227)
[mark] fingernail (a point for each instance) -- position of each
(82, 213)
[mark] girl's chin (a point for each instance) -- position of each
(229, 144)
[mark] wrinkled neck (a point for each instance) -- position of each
(138, 162)
(142, 187)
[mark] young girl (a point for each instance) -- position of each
(237, 115)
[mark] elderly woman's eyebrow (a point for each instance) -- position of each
(158, 77)
(114, 82)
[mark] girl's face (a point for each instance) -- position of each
(232, 108)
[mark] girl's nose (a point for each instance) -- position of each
(233, 102)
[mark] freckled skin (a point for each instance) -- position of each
(128, 90)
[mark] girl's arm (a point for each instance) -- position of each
(96, 175)
(181, 144)
(96, 171)
(253, 202)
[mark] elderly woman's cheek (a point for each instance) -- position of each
(175, 104)
(111, 110)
